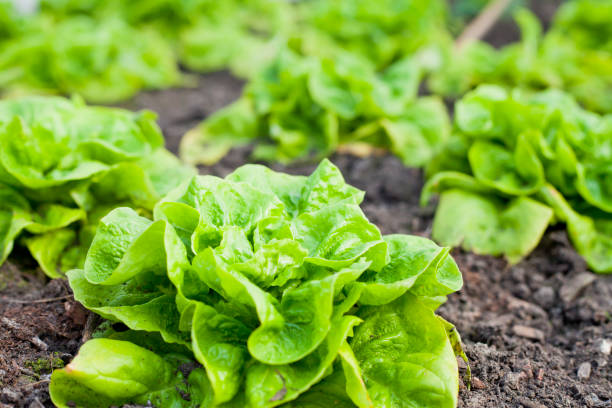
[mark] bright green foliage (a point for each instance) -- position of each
(109, 50)
(63, 165)
(11, 23)
(281, 289)
(487, 225)
(403, 354)
(300, 107)
(246, 29)
(102, 60)
(240, 35)
(107, 372)
(348, 75)
(499, 175)
(249, 29)
(383, 34)
(575, 55)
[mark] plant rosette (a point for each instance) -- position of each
(259, 290)
(64, 165)
(518, 162)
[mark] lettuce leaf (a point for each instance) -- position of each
(383, 34)
(103, 60)
(109, 372)
(406, 357)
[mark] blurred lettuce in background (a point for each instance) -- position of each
(575, 55)
(109, 50)
(306, 107)
(101, 60)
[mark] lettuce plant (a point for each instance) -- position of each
(575, 55)
(517, 162)
(278, 286)
(250, 32)
(103, 60)
(303, 107)
(63, 165)
(109, 50)
(194, 29)
(384, 34)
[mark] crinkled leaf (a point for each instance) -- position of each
(125, 276)
(417, 265)
(270, 386)
(259, 275)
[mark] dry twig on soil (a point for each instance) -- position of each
(27, 302)
(479, 26)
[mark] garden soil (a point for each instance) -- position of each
(537, 334)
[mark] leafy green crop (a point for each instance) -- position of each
(278, 286)
(247, 28)
(63, 165)
(109, 50)
(384, 34)
(348, 75)
(517, 159)
(206, 35)
(299, 107)
(103, 61)
(575, 55)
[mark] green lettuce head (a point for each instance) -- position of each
(63, 165)
(517, 162)
(279, 287)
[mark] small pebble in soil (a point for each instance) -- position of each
(36, 404)
(572, 288)
(530, 404)
(584, 371)
(592, 400)
(513, 379)
(545, 296)
(478, 384)
(605, 346)
(528, 332)
(522, 291)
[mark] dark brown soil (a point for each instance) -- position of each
(40, 329)
(537, 334)
(181, 109)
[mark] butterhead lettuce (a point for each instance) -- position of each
(517, 162)
(63, 165)
(304, 107)
(278, 286)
